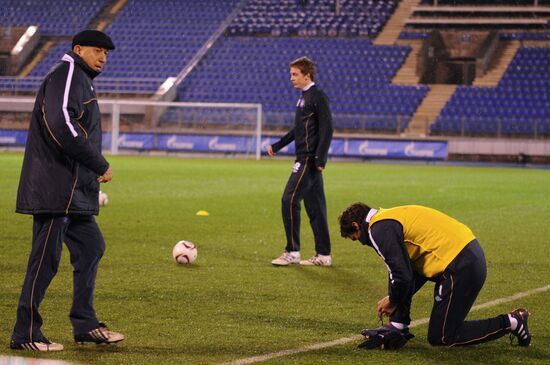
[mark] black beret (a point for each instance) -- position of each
(93, 38)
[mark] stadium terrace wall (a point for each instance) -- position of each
(499, 150)
(211, 143)
(452, 149)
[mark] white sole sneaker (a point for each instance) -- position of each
(100, 335)
(286, 259)
(36, 346)
(317, 260)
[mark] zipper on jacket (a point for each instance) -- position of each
(48, 127)
(72, 191)
(308, 118)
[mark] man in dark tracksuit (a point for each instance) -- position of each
(312, 134)
(59, 186)
(420, 244)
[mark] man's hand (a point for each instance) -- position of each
(270, 151)
(385, 308)
(320, 168)
(107, 176)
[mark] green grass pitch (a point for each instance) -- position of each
(233, 304)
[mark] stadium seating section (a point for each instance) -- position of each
(518, 105)
(487, 2)
(54, 17)
(355, 74)
(313, 18)
(153, 42)
(249, 63)
(156, 40)
(506, 36)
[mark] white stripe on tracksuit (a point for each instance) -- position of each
(70, 60)
(380, 254)
(371, 213)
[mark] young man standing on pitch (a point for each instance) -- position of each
(419, 244)
(312, 134)
(59, 186)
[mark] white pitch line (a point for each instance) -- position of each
(344, 340)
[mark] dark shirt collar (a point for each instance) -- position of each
(82, 64)
(364, 236)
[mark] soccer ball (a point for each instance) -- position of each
(184, 252)
(103, 199)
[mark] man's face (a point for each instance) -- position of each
(355, 236)
(94, 57)
(298, 79)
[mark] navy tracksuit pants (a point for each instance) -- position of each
(454, 294)
(86, 246)
(305, 183)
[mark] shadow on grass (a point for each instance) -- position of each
(334, 277)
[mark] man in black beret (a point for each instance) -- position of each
(59, 186)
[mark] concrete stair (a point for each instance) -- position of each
(42, 52)
(406, 75)
(429, 109)
(491, 78)
(395, 24)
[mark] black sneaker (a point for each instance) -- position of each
(522, 331)
(45, 346)
(387, 337)
(100, 335)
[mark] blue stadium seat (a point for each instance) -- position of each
(518, 105)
